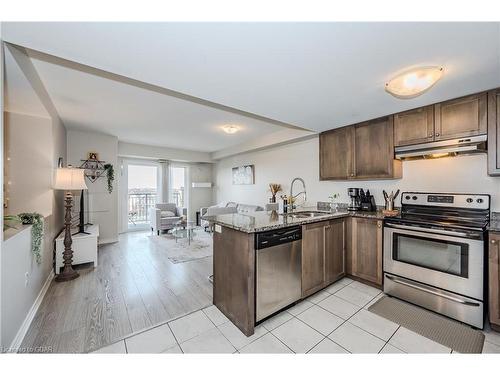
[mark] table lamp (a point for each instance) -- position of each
(68, 179)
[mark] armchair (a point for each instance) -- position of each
(160, 220)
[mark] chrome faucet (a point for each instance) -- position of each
(292, 197)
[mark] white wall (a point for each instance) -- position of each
(133, 150)
(22, 277)
(28, 163)
(301, 159)
(199, 197)
(103, 207)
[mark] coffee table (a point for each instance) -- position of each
(184, 230)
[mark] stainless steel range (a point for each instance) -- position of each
(434, 253)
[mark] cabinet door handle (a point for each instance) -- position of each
(493, 241)
(437, 134)
(379, 225)
(431, 134)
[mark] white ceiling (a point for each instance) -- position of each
(137, 115)
(313, 75)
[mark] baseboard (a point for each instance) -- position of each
(18, 340)
(105, 241)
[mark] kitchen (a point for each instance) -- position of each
(359, 243)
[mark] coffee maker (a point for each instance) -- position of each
(355, 203)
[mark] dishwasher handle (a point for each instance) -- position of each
(270, 238)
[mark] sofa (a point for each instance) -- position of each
(225, 208)
(164, 216)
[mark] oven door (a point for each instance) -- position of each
(444, 259)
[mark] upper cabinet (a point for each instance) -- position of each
(415, 126)
(365, 151)
(336, 154)
(374, 150)
(461, 117)
(494, 133)
(362, 151)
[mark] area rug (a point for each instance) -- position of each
(450, 333)
(181, 251)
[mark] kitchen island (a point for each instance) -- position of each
(333, 244)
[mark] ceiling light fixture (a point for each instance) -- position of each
(230, 129)
(415, 82)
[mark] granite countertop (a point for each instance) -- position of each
(494, 222)
(260, 221)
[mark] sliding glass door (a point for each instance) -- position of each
(142, 194)
(144, 183)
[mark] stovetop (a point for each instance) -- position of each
(444, 211)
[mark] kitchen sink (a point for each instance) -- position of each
(307, 214)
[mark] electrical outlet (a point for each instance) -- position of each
(26, 279)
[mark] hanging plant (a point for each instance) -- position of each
(110, 173)
(36, 220)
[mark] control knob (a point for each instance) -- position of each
(469, 200)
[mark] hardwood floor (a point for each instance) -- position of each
(134, 287)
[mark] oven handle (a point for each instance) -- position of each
(428, 230)
(411, 285)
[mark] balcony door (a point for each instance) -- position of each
(143, 187)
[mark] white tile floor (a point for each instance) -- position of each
(335, 320)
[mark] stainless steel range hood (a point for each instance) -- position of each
(452, 147)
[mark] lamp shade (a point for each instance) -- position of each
(415, 82)
(70, 179)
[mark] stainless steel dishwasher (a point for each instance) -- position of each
(279, 276)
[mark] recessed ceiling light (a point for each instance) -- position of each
(230, 129)
(413, 83)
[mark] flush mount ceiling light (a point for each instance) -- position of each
(230, 129)
(415, 82)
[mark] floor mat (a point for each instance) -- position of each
(453, 334)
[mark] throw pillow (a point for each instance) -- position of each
(167, 214)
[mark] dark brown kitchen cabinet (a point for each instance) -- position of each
(335, 250)
(462, 117)
(494, 281)
(365, 252)
(323, 254)
(359, 152)
(313, 258)
(494, 133)
(374, 150)
(413, 127)
(336, 154)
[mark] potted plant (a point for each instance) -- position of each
(275, 189)
(110, 174)
(36, 220)
(334, 205)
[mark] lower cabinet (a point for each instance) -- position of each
(323, 254)
(334, 251)
(494, 280)
(364, 253)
